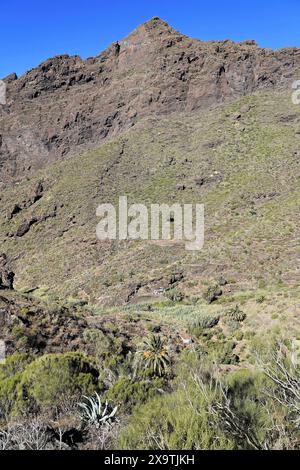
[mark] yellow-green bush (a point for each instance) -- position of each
(128, 393)
(50, 377)
(180, 419)
(14, 364)
(10, 376)
(170, 422)
(46, 380)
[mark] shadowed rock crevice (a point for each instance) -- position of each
(6, 275)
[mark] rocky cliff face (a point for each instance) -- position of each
(68, 104)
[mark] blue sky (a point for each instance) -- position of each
(32, 31)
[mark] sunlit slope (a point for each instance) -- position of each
(241, 161)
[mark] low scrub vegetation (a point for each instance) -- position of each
(157, 401)
(212, 294)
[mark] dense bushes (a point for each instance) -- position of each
(44, 381)
(189, 402)
(106, 348)
(48, 378)
(169, 423)
(129, 393)
(206, 410)
(10, 377)
(14, 365)
(176, 421)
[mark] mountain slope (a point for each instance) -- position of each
(67, 104)
(241, 161)
(154, 329)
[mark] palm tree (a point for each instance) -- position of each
(153, 356)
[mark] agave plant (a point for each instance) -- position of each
(153, 356)
(236, 314)
(93, 412)
(204, 322)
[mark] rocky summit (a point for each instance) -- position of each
(67, 105)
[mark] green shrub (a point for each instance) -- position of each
(129, 393)
(19, 336)
(175, 295)
(177, 421)
(226, 353)
(245, 383)
(10, 377)
(212, 294)
(14, 364)
(48, 379)
(223, 352)
(106, 347)
(203, 322)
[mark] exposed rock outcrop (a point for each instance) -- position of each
(36, 195)
(6, 274)
(68, 104)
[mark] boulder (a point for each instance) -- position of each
(25, 227)
(37, 192)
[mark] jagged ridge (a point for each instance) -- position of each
(67, 104)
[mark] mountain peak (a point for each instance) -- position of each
(156, 22)
(153, 27)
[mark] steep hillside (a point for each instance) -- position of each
(187, 349)
(241, 161)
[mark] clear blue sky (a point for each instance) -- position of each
(33, 30)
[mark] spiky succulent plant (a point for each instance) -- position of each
(94, 412)
(236, 314)
(153, 356)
